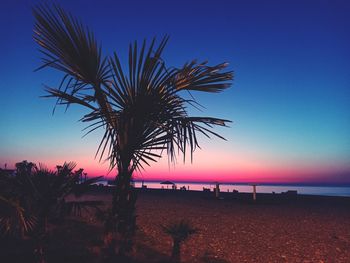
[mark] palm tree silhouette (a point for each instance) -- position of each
(36, 197)
(140, 109)
(179, 232)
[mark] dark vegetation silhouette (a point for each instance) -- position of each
(35, 198)
(179, 232)
(142, 108)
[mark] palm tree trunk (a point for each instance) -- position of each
(123, 210)
(175, 256)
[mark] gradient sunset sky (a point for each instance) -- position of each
(289, 103)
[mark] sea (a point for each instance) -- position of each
(248, 188)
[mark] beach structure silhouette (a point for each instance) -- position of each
(167, 183)
(141, 108)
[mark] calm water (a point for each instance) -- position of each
(309, 190)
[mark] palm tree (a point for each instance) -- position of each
(179, 232)
(36, 196)
(44, 192)
(140, 109)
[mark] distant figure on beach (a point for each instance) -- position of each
(217, 190)
(254, 191)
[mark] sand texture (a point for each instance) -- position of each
(275, 228)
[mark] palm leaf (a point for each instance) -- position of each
(200, 77)
(68, 46)
(14, 219)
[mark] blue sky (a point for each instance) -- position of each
(289, 102)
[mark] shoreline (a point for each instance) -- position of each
(251, 183)
(246, 188)
(300, 184)
(225, 194)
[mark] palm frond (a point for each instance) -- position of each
(201, 77)
(68, 46)
(65, 99)
(14, 220)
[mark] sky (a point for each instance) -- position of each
(289, 101)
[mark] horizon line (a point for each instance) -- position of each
(346, 184)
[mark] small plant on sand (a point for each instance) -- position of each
(179, 232)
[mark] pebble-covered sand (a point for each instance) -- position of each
(235, 229)
(240, 231)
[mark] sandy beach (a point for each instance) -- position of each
(275, 228)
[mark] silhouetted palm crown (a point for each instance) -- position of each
(141, 108)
